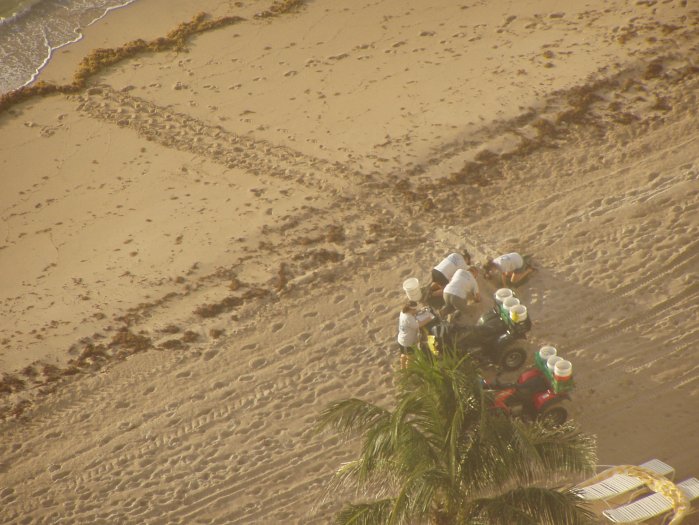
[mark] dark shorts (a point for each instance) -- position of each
(439, 278)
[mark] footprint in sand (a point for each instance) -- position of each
(287, 369)
(338, 299)
(373, 331)
(277, 326)
(258, 363)
(286, 350)
(210, 355)
(328, 326)
(311, 314)
(226, 394)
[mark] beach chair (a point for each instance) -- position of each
(651, 506)
(619, 484)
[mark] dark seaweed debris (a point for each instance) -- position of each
(101, 59)
(279, 8)
(229, 303)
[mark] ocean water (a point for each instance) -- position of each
(31, 30)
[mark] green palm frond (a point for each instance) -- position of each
(381, 482)
(563, 449)
(423, 494)
(441, 389)
(529, 506)
(373, 513)
(378, 448)
(414, 450)
(494, 456)
(505, 451)
(443, 455)
(351, 416)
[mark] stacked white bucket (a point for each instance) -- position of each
(412, 289)
(560, 371)
(506, 300)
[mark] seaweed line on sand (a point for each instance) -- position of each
(279, 7)
(100, 59)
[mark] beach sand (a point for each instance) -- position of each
(205, 247)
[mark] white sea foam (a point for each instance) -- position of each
(37, 28)
(10, 10)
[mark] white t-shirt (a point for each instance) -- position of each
(408, 329)
(452, 262)
(509, 263)
(462, 284)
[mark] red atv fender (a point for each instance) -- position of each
(500, 400)
(528, 375)
(543, 400)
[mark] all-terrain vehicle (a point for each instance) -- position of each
(492, 340)
(532, 397)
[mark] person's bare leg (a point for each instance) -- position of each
(517, 277)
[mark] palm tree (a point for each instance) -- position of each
(443, 456)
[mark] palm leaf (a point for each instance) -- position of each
(444, 455)
(379, 482)
(529, 506)
(351, 416)
(563, 449)
(373, 513)
(378, 448)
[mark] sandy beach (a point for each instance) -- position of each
(203, 247)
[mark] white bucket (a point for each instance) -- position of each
(518, 313)
(562, 370)
(502, 294)
(412, 289)
(551, 362)
(547, 351)
(510, 302)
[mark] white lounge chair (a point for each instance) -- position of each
(651, 506)
(619, 484)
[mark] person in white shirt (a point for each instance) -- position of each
(512, 268)
(462, 287)
(408, 331)
(444, 271)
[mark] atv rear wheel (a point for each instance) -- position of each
(553, 416)
(513, 358)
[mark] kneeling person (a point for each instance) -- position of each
(462, 287)
(512, 267)
(444, 271)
